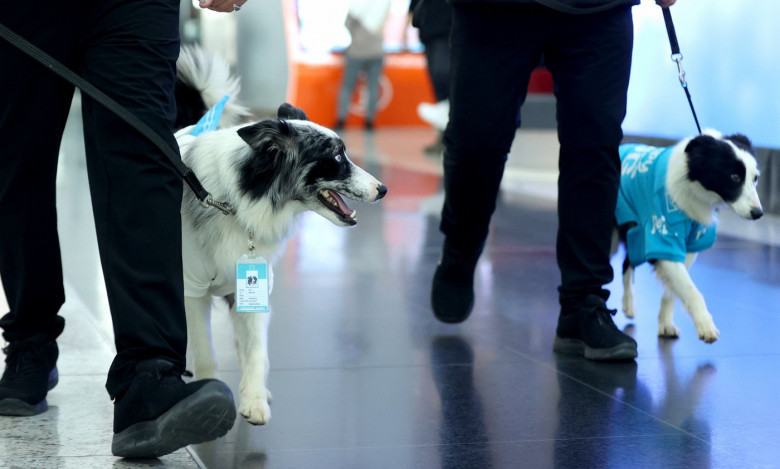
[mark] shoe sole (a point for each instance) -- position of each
(11, 407)
(624, 351)
(204, 416)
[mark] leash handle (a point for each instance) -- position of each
(677, 57)
(89, 89)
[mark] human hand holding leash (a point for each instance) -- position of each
(225, 6)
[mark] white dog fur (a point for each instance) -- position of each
(224, 160)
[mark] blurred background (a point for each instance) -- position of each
(293, 49)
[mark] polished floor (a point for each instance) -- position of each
(364, 377)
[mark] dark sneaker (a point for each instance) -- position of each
(30, 372)
(452, 292)
(159, 413)
(590, 332)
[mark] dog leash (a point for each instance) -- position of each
(87, 88)
(677, 57)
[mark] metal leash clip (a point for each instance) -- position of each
(678, 58)
(223, 207)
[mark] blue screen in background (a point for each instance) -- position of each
(732, 64)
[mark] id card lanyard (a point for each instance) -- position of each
(252, 282)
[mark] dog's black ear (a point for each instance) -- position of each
(288, 111)
(742, 142)
(271, 141)
(701, 146)
(266, 132)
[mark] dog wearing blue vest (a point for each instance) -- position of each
(667, 213)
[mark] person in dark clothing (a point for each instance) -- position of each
(587, 46)
(129, 51)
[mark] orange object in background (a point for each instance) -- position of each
(315, 79)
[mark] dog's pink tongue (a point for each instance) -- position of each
(342, 206)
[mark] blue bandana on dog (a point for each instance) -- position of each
(210, 120)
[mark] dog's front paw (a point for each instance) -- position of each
(255, 410)
(707, 331)
(668, 330)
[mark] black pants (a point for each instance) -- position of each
(494, 49)
(128, 49)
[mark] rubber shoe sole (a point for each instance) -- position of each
(206, 415)
(12, 407)
(623, 351)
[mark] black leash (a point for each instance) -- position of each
(677, 57)
(87, 88)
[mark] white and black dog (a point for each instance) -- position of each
(271, 172)
(667, 213)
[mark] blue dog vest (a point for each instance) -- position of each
(663, 231)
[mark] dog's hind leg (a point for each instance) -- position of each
(629, 306)
(619, 235)
(199, 346)
(251, 330)
(676, 279)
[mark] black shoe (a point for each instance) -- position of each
(452, 292)
(159, 413)
(590, 332)
(30, 372)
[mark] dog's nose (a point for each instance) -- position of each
(381, 191)
(756, 213)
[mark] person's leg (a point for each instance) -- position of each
(136, 192)
(494, 51)
(34, 105)
(373, 75)
(590, 62)
(130, 53)
(352, 67)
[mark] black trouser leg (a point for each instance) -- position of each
(34, 106)
(136, 193)
(590, 66)
(493, 54)
(494, 51)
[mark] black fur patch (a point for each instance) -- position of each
(288, 111)
(742, 142)
(289, 161)
(714, 164)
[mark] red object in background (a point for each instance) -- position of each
(315, 80)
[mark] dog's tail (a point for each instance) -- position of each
(202, 81)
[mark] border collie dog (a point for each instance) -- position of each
(270, 172)
(667, 213)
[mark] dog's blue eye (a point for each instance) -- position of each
(735, 177)
(338, 157)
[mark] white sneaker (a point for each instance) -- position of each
(435, 114)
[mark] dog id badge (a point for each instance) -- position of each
(252, 284)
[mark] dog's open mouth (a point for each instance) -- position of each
(333, 201)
